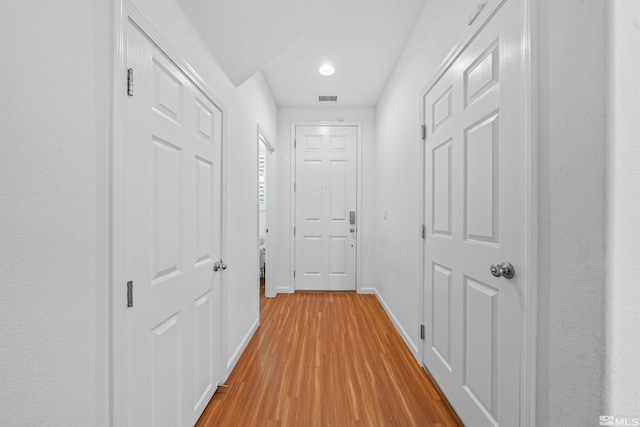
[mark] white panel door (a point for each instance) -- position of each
(474, 199)
(325, 238)
(173, 210)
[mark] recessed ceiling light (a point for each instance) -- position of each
(326, 69)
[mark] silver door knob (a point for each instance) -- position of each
(505, 270)
(223, 265)
(216, 266)
(352, 229)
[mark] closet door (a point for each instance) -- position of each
(474, 213)
(173, 238)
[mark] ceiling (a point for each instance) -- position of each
(289, 39)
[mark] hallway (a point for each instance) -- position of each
(109, 112)
(327, 359)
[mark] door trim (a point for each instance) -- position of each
(125, 12)
(292, 207)
(529, 275)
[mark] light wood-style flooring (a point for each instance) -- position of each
(327, 359)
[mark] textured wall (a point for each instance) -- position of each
(623, 266)
(572, 148)
(398, 166)
(255, 106)
(54, 119)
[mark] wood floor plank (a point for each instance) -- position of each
(327, 359)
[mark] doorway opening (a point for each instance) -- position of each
(265, 149)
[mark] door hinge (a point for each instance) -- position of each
(294, 274)
(294, 231)
(130, 82)
(130, 293)
(424, 132)
(295, 142)
(421, 332)
(423, 232)
(295, 186)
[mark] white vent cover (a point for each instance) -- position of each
(327, 98)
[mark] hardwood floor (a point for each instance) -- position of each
(327, 359)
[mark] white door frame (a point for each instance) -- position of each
(270, 289)
(359, 228)
(125, 12)
(529, 274)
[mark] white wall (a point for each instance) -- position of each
(571, 144)
(54, 115)
(571, 271)
(623, 266)
(288, 115)
(55, 121)
(255, 105)
(398, 169)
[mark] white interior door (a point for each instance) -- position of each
(474, 213)
(325, 205)
(173, 210)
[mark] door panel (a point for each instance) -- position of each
(173, 210)
(166, 221)
(481, 340)
(204, 210)
(313, 256)
(441, 312)
(204, 373)
(441, 179)
(325, 246)
(338, 190)
(474, 207)
(166, 352)
(481, 172)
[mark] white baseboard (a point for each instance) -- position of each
(231, 363)
(284, 291)
(368, 291)
(412, 346)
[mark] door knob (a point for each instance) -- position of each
(223, 265)
(216, 266)
(352, 229)
(505, 270)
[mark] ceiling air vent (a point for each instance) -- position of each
(327, 98)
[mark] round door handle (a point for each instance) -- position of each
(223, 265)
(216, 266)
(352, 229)
(504, 269)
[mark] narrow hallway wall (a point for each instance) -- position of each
(398, 166)
(54, 120)
(623, 268)
(571, 145)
